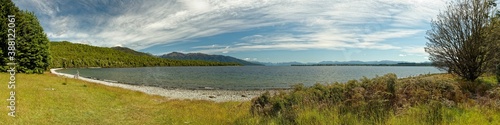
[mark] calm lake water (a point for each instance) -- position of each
(244, 77)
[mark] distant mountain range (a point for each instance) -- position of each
(362, 62)
(383, 62)
(222, 58)
(281, 63)
(206, 57)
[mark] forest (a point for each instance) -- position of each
(205, 57)
(73, 55)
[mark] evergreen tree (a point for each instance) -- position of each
(7, 7)
(32, 44)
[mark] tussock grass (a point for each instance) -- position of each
(425, 99)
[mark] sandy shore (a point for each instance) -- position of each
(212, 95)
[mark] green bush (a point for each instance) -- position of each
(368, 99)
(416, 91)
(427, 99)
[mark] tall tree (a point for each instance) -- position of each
(462, 39)
(32, 44)
(7, 7)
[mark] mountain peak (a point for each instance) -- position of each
(175, 54)
(205, 57)
(131, 51)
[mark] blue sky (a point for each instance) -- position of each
(256, 30)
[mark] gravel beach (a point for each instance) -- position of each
(212, 95)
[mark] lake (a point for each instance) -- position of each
(244, 77)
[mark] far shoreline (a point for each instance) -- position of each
(217, 95)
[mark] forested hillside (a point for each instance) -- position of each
(131, 51)
(206, 57)
(71, 55)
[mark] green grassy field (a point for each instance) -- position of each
(48, 99)
(43, 99)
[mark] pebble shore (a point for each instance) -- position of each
(212, 95)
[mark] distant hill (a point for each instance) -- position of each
(362, 62)
(72, 55)
(206, 57)
(345, 63)
(397, 64)
(281, 63)
(131, 51)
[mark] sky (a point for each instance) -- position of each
(253, 30)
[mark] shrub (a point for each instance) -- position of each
(262, 104)
(374, 101)
(492, 99)
(498, 73)
(475, 88)
(369, 99)
(424, 90)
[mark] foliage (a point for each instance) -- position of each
(463, 39)
(72, 55)
(32, 45)
(367, 99)
(128, 50)
(7, 7)
(497, 73)
(373, 101)
(206, 57)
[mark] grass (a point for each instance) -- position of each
(427, 99)
(459, 115)
(419, 115)
(44, 99)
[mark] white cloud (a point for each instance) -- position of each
(415, 50)
(196, 5)
(315, 24)
(250, 59)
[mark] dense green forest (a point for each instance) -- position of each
(22, 40)
(131, 51)
(206, 57)
(72, 55)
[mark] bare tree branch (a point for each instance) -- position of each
(464, 38)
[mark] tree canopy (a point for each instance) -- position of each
(31, 43)
(463, 39)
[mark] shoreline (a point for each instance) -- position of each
(181, 94)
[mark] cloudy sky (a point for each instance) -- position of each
(257, 30)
